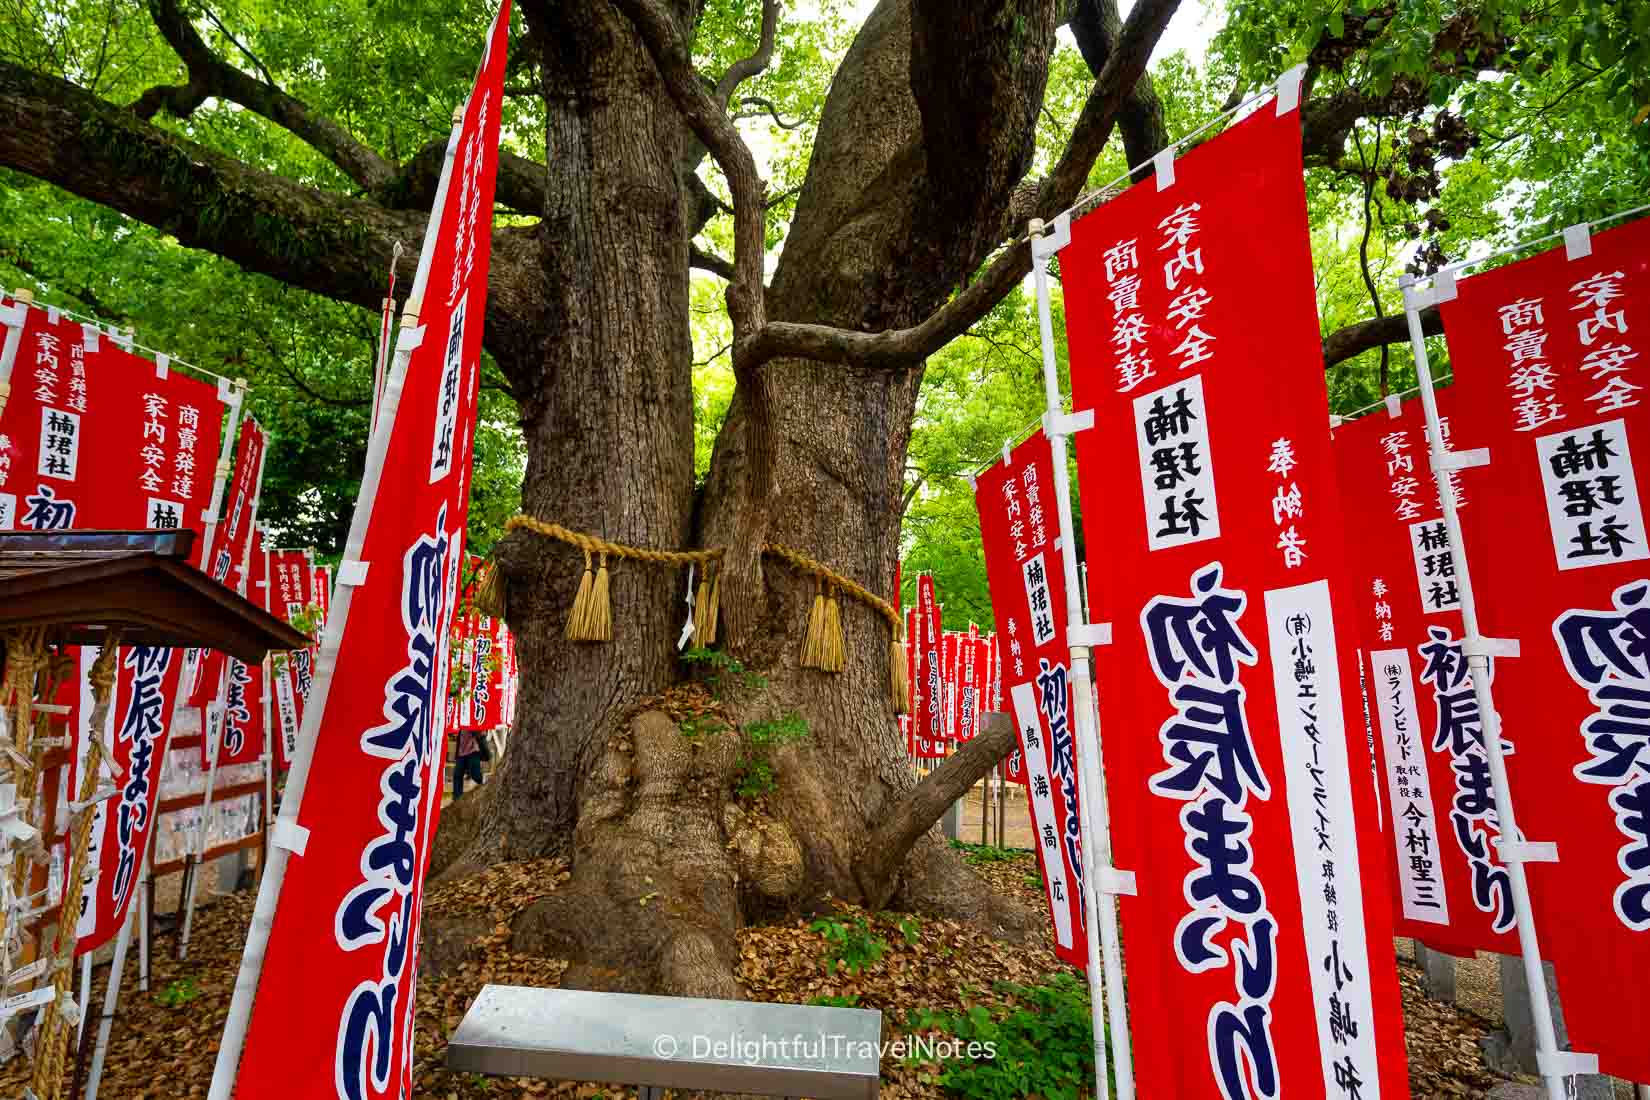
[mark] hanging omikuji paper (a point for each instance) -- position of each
(1023, 569)
(1449, 887)
(1556, 354)
(333, 1014)
(1259, 947)
(928, 685)
(92, 437)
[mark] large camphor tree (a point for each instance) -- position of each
(302, 140)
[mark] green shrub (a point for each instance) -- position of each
(850, 947)
(1042, 1037)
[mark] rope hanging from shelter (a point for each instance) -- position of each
(591, 616)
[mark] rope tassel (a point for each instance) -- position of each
(600, 623)
(898, 675)
(831, 652)
(813, 640)
(579, 617)
(489, 599)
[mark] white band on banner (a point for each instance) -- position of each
(53, 315)
(1089, 635)
(970, 479)
(1008, 446)
(352, 573)
(1464, 460)
(1489, 647)
(288, 834)
(1335, 421)
(409, 338)
(1443, 285)
(1112, 880)
(1565, 1063)
(1578, 241)
(1527, 851)
(226, 392)
(163, 365)
(1067, 424)
(1163, 166)
(1394, 405)
(90, 335)
(1289, 89)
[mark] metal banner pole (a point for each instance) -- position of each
(1101, 882)
(1515, 850)
(286, 830)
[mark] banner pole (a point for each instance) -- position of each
(192, 884)
(111, 995)
(1555, 1065)
(269, 890)
(268, 757)
(1104, 948)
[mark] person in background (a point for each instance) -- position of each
(470, 756)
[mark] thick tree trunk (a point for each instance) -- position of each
(606, 409)
(666, 861)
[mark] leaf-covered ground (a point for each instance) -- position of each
(165, 1041)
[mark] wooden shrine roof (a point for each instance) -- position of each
(80, 584)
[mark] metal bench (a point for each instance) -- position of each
(674, 1042)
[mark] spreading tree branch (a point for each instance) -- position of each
(887, 845)
(706, 260)
(210, 75)
(747, 67)
(903, 347)
(767, 108)
(1355, 339)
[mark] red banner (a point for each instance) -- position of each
(952, 675)
(333, 1014)
(1262, 928)
(1551, 351)
(1028, 594)
(908, 722)
(928, 685)
(236, 717)
(969, 674)
(231, 543)
(290, 588)
(1448, 885)
(96, 437)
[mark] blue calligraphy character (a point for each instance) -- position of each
(1201, 632)
(1217, 842)
(1633, 819)
(1209, 743)
(1243, 1038)
(1618, 735)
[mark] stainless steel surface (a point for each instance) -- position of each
(681, 1042)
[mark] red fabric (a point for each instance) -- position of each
(928, 685)
(237, 715)
(1448, 886)
(92, 437)
(1028, 593)
(333, 1014)
(952, 673)
(290, 586)
(231, 543)
(1554, 353)
(1211, 512)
